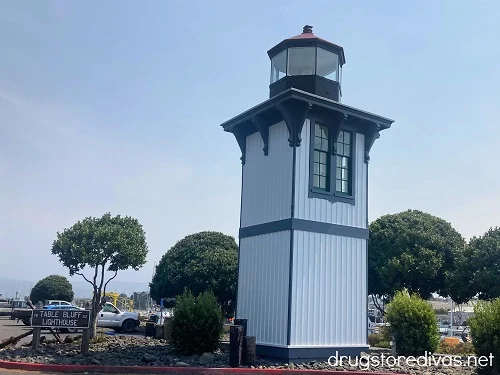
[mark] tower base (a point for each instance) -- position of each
(308, 353)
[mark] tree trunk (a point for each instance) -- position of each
(377, 305)
(93, 323)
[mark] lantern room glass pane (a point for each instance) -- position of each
(301, 61)
(328, 64)
(278, 66)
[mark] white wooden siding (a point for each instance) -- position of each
(321, 209)
(267, 180)
(263, 286)
(329, 290)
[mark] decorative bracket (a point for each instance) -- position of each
(263, 130)
(370, 139)
(336, 132)
(242, 142)
(294, 115)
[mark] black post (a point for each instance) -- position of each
(241, 322)
(235, 345)
(249, 350)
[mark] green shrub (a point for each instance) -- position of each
(413, 324)
(197, 323)
(384, 344)
(386, 333)
(381, 339)
(485, 332)
(374, 339)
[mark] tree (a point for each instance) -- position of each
(101, 244)
(483, 262)
(204, 261)
(411, 250)
(52, 287)
(460, 277)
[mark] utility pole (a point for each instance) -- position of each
(451, 318)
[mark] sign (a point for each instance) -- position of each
(161, 303)
(73, 318)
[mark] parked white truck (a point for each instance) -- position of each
(121, 321)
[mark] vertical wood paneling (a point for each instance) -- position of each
(267, 189)
(263, 286)
(328, 290)
(322, 209)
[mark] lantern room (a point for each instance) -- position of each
(307, 63)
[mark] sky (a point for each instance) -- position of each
(116, 107)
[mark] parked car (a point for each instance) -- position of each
(62, 307)
(17, 304)
(58, 303)
(5, 308)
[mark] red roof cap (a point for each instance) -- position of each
(307, 33)
(307, 37)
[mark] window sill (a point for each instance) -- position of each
(339, 197)
(331, 197)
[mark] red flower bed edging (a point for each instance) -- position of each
(170, 370)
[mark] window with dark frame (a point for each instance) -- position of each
(343, 169)
(322, 181)
(321, 175)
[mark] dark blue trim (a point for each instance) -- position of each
(307, 354)
(303, 225)
(271, 227)
(290, 257)
(366, 270)
(239, 240)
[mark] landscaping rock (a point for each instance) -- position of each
(206, 358)
(140, 351)
(68, 339)
(148, 358)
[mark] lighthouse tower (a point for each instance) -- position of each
(302, 274)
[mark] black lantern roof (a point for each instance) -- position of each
(307, 39)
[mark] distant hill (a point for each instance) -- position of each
(9, 287)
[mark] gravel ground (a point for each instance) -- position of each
(145, 351)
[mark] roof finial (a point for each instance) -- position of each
(307, 29)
